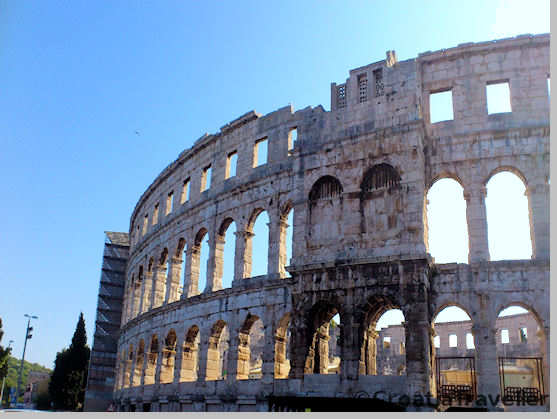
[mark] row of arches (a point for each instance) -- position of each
(505, 212)
(208, 264)
(219, 354)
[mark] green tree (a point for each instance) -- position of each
(4, 357)
(69, 378)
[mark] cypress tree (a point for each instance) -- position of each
(69, 378)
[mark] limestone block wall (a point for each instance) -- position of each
(356, 179)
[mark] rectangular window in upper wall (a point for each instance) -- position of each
(145, 223)
(441, 106)
(260, 152)
(231, 163)
(437, 341)
(206, 179)
(185, 192)
(498, 97)
(453, 341)
(523, 334)
(292, 138)
(156, 214)
(169, 202)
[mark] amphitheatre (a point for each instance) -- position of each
(355, 181)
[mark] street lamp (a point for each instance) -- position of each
(4, 379)
(28, 335)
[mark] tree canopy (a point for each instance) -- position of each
(69, 378)
(4, 355)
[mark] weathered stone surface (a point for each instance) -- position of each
(356, 179)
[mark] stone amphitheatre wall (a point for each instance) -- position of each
(356, 178)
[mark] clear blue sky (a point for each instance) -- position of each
(80, 77)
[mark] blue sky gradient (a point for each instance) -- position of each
(97, 98)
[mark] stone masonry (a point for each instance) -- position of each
(356, 178)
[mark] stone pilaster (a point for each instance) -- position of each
(476, 218)
(538, 206)
(277, 246)
(173, 280)
(487, 366)
(146, 292)
(242, 257)
(191, 280)
(159, 285)
(214, 264)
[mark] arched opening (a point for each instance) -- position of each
(282, 347)
(225, 253)
(383, 350)
(508, 219)
(325, 211)
(324, 356)
(251, 339)
(137, 292)
(200, 258)
(152, 356)
(128, 367)
(217, 352)
(446, 232)
(168, 358)
(190, 365)
(146, 301)
(259, 243)
(521, 350)
(139, 358)
(454, 356)
(285, 246)
(381, 204)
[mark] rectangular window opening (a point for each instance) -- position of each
(206, 179)
(441, 106)
(260, 152)
(185, 191)
(498, 97)
(379, 86)
(437, 341)
(169, 203)
(292, 138)
(453, 341)
(504, 336)
(469, 341)
(145, 223)
(523, 334)
(401, 348)
(386, 342)
(231, 163)
(362, 87)
(156, 214)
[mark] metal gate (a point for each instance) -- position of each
(456, 380)
(521, 379)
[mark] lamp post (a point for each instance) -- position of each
(4, 379)
(28, 335)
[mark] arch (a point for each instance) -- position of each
(506, 168)
(319, 319)
(382, 175)
(168, 358)
(225, 254)
(446, 238)
(128, 366)
(522, 344)
(139, 358)
(180, 247)
(190, 350)
(199, 260)
(325, 207)
(444, 174)
(326, 187)
(253, 217)
(506, 205)
(150, 265)
(152, 355)
(259, 242)
(217, 351)
(282, 343)
(164, 257)
(251, 339)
